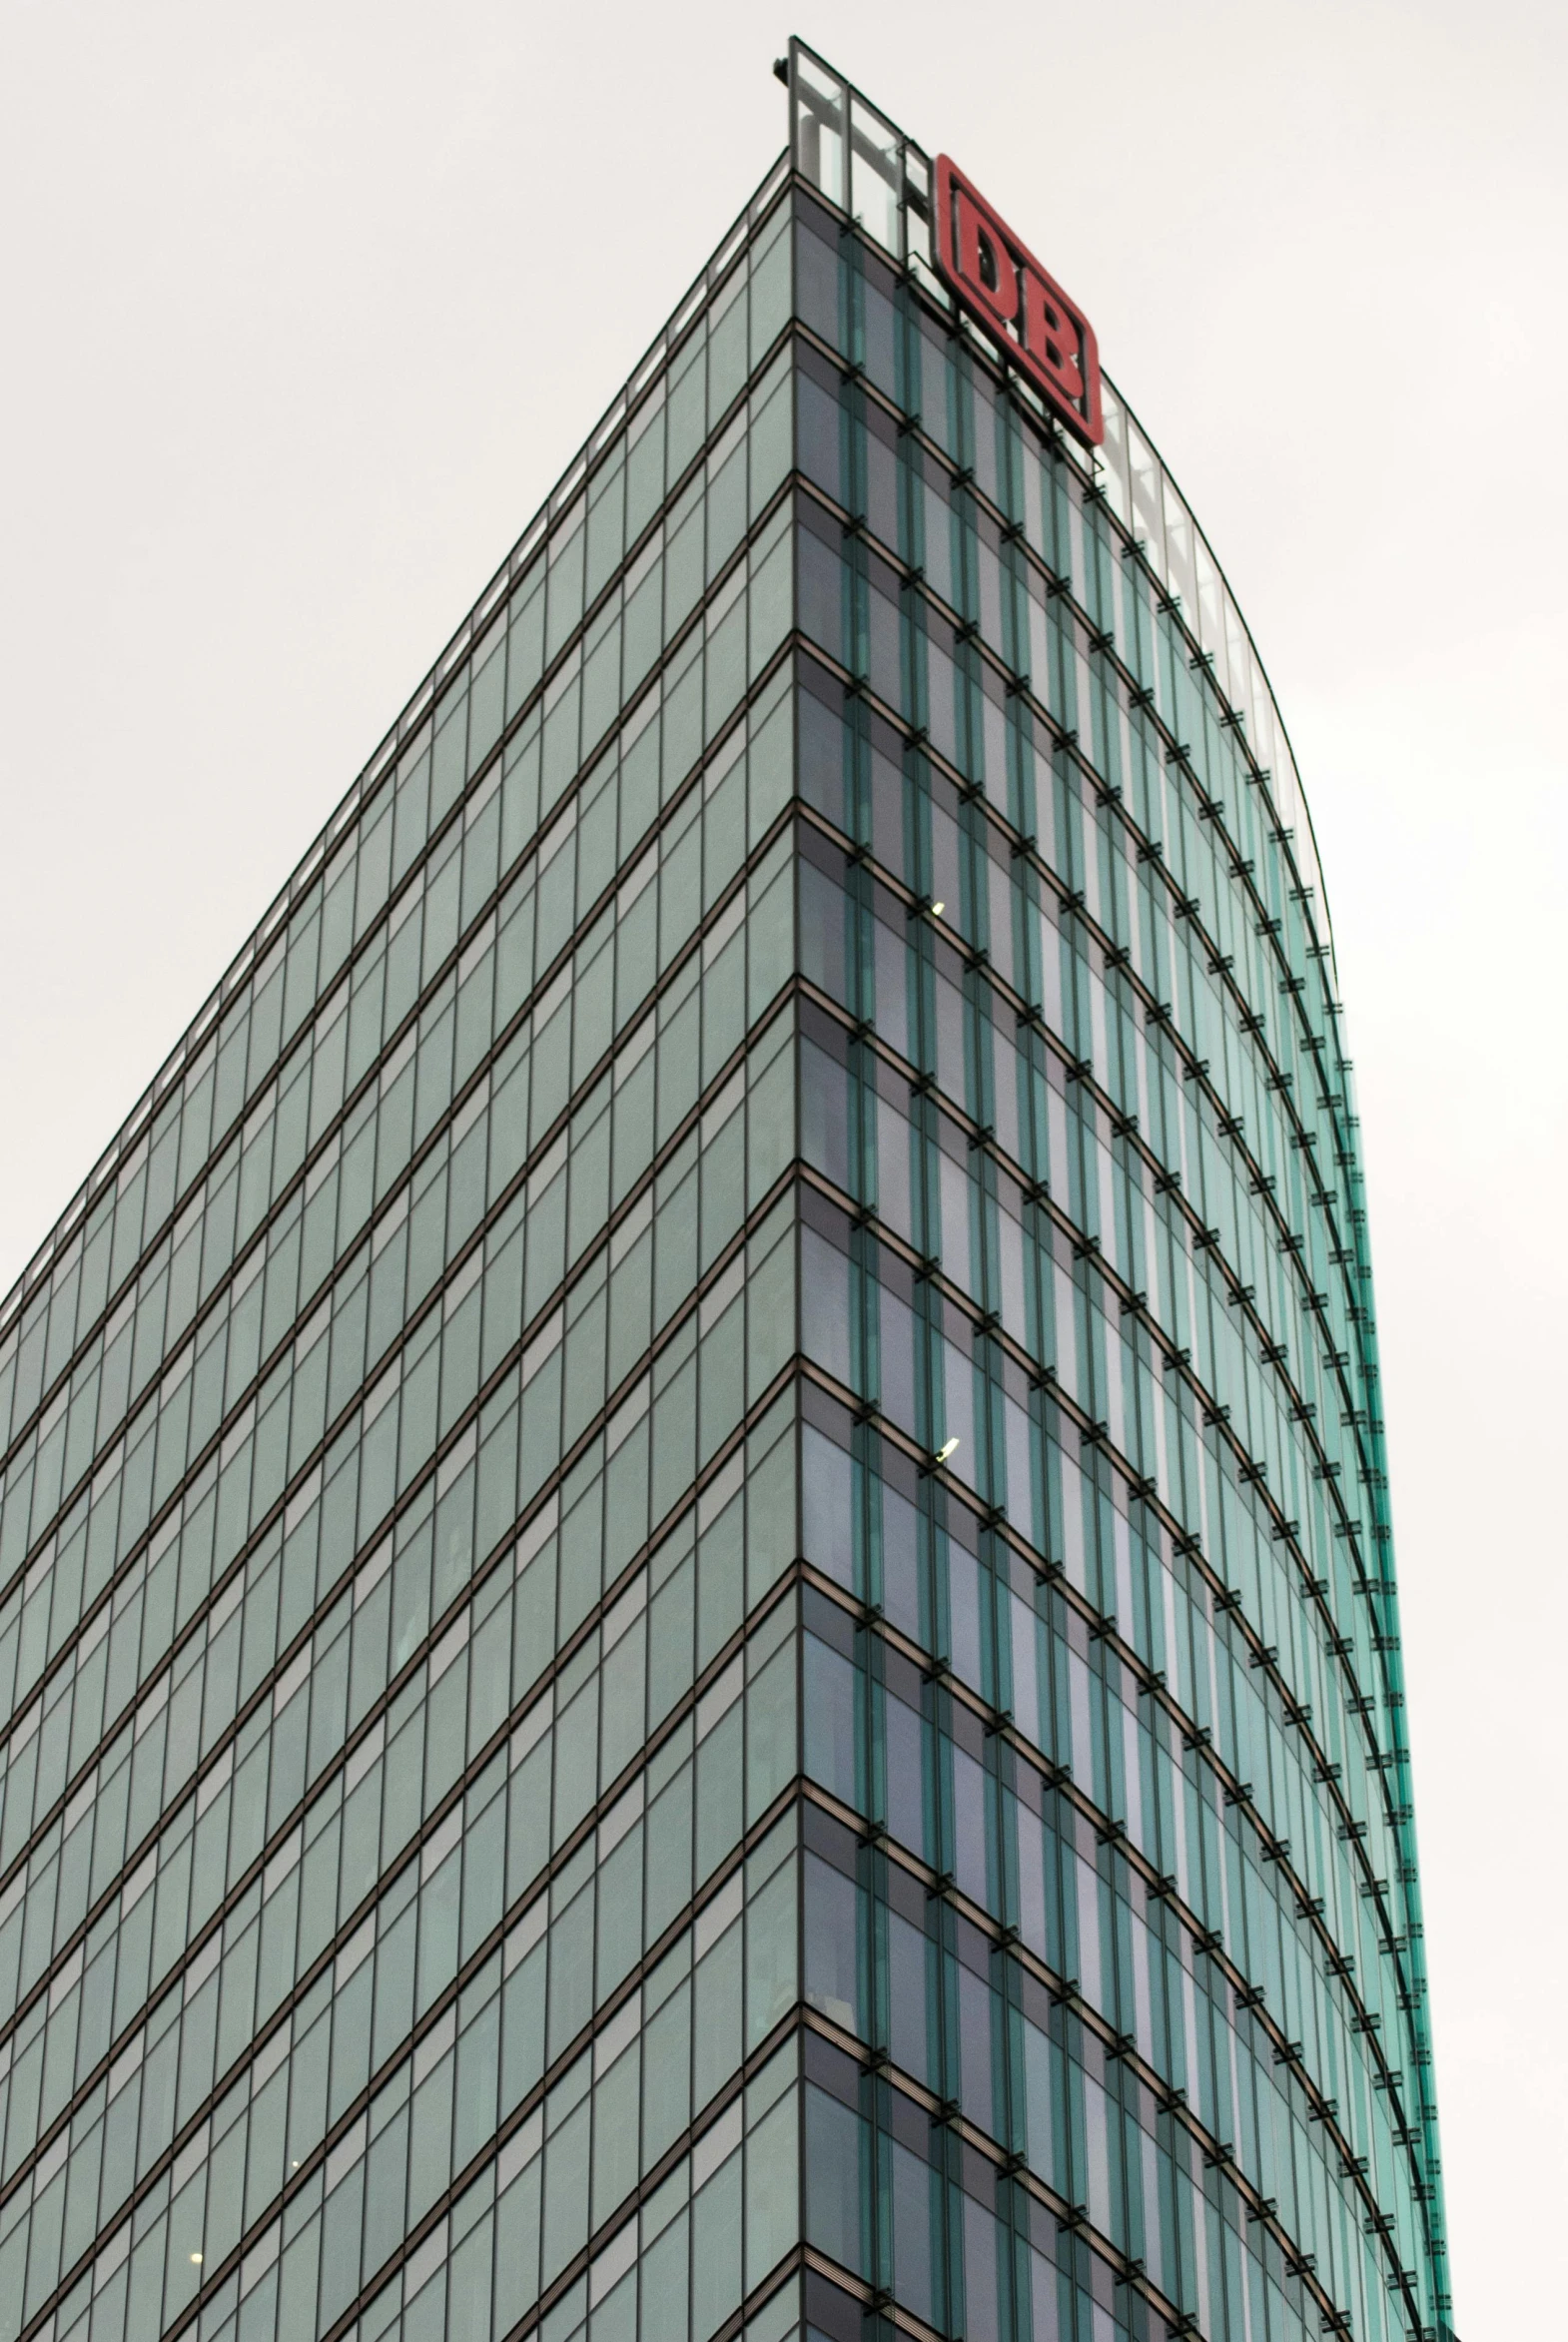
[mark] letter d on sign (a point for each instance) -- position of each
(984, 260)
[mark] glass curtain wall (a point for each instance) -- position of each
(1120, 1939)
(696, 1621)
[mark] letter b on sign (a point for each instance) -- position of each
(1050, 336)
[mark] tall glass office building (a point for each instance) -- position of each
(697, 1628)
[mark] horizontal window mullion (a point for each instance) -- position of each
(504, 1367)
(1335, 1660)
(537, 1692)
(1209, 807)
(680, 2147)
(770, 201)
(648, 2186)
(1358, 2039)
(1129, 546)
(1025, 1015)
(407, 1673)
(1316, 1764)
(431, 2020)
(670, 815)
(451, 824)
(1193, 1063)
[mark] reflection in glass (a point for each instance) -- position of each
(875, 184)
(819, 126)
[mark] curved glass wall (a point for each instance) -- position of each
(1107, 1264)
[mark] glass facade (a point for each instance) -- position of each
(697, 1626)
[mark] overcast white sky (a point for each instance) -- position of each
(306, 305)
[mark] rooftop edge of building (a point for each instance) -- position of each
(1134, 478)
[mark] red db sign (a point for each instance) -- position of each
(1000, 282)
